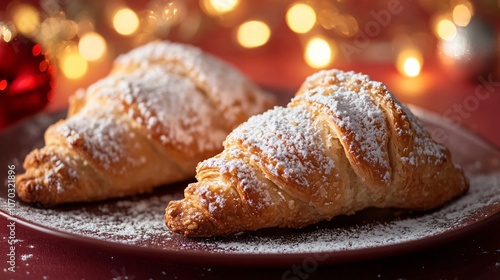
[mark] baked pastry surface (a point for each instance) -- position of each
(163, 108)
(344, 143)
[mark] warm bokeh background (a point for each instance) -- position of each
(441, 55)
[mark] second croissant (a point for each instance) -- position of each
(163, 108)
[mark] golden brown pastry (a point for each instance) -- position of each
(344, 143)
(163, 108)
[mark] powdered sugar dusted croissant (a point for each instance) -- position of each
(344, 143)
(163, 108)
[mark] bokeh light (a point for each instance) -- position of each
(36, 50)
(318, 53)
(462, 15)
(328, 15)
(73, 65)
(26, 18)
(301, 18)
(252, 34)
(409, 62)
(217, 7)
(6, 33)
(3, 84)
(125, 21)
(346, 25)
(446, 29)
(411, 67)
(92, 46)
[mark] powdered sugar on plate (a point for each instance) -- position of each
(139, 221)
(483, 194)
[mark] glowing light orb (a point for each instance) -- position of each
(26, 18)
(92, 46)
(125, 21)
(74, 66)
(318, 53)
(409, 62)
(301, 18)
(446, 30)
(252, 34)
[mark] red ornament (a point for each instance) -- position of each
(25, 79)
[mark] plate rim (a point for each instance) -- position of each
(251, 259)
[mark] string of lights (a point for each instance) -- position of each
(70, 34)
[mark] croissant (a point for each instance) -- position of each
(342, 144)
(163, 108)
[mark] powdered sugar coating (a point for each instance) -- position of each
(426, 152)
(101, 137)
(231, 96)
(169, 105)
(287, 144)
(361, 123)
(213, 205)
(405, 123)
(231, 164)
(172, 91)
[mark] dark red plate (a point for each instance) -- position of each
(135, 225)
